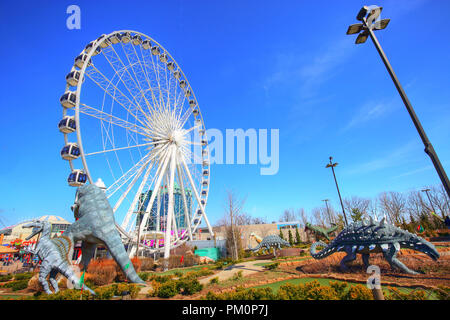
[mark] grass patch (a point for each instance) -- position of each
(183, 270)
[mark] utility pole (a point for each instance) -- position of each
(328, 211)
(332, 165)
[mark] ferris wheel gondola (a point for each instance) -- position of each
(151, 150)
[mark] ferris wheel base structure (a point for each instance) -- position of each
(144, 135)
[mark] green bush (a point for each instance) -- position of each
(359, 292)
(23, 276)
(189, 287)
(272, 266)
(6, 277)
(144, 275)
(178, 274)
(167, 290)
(105, 293)
(214, 280)
(16, 284)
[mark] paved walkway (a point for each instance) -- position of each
(247, 268)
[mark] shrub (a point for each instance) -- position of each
(101, 272)
(178, 274)
(359, 292)
(6, 277)
(237, 275)
(339, 287)
(105, 293)
(188, 287)
(396, 294)
(144, 275)
(272, 266)
(243, 294)
(23, 276)
(197, 274)
(147, 264)
(34, 285)
(16, 284)
(214, 280)
(167, 290)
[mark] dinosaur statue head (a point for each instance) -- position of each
(426, 247)
(38, 226)
(307, 226)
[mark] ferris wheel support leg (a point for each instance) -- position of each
(183, 195)
(126, 221)
(152, 198)
(191, 181)
(170, 208)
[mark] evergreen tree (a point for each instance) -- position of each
(281, 234)
(291, 238)
(356, 214)
(297, 236)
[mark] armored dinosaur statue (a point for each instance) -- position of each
(269, 241)
(319, 230)
(55, 256)
(368, 236)
(95, 225)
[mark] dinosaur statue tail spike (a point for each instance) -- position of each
(328, 250)
(117, 250)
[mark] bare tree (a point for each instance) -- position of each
(320, 216)
(287, 215)
(233, 218)
(358, 203)
(259, 220)
(439, 199)
(302, 216)
(394, 205)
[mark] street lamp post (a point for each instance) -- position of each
(332, 165)
(365, 29)
(328, 210)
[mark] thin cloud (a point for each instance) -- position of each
(370, 111)
(412, 172)
(393, 159)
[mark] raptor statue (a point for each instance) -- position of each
(320, 231)
(54, 254)
(369, 236)
(273, 241)
(94, 225)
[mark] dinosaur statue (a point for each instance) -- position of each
(269, 241)
(320, 231)
(368, 236)
(95, 225)
(54, 254)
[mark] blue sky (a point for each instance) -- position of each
(253, 64)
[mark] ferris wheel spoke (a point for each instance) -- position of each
(130, 186)
(107, 86)
(129, 82)
(158, 80)
(170, 206)
(138, 196)
(194, 189)
(125, 177)
(111, 119)
(139, 79)
(121, 148)
(144, 73)
(183, 196)
(156, 187)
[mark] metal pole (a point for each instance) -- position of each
(339, 193)
(428, 147)
(328, 210)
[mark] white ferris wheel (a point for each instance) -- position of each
(130, 117)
